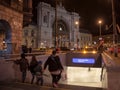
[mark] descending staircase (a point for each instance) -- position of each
(27, 86)
(82, 80)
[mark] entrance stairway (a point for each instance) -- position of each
(27, 86)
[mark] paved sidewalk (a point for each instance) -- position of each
(116, 59)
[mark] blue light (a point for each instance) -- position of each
(84, 60)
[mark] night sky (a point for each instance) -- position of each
(89, 10)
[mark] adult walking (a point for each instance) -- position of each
(33, 64)
(55, 68)
(24, 66)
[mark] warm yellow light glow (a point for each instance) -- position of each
(94, 52)
(100, 21)
(20, 0)
(76, 22)
(84, 52)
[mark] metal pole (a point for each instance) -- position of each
(100, 22)
(100, 30)
(115, 37)
(55, 24)
(114, 23)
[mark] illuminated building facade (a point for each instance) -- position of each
(11, 23)
(68, 33)
(30, 36)
(67, 30)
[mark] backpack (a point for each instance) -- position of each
(38, 71)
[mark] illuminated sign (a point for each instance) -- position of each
(83, 60)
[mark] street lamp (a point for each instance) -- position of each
(100, 22)
(77, 27)
(55, 43)
(114, 23)
(115, 36)
(76, 23)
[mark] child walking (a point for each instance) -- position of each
(39, 73)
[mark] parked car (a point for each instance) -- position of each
(89, 50)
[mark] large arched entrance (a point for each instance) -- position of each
(62, 34)
(5, 37)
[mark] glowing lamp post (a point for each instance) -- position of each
(100, 22)
(77, 25)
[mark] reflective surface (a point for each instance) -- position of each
(83, 77)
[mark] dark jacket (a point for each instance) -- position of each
(24, 65)
(53, 63)
(38, 68)
(33, 64)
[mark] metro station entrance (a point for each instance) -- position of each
(84, 70)
(81, 76)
